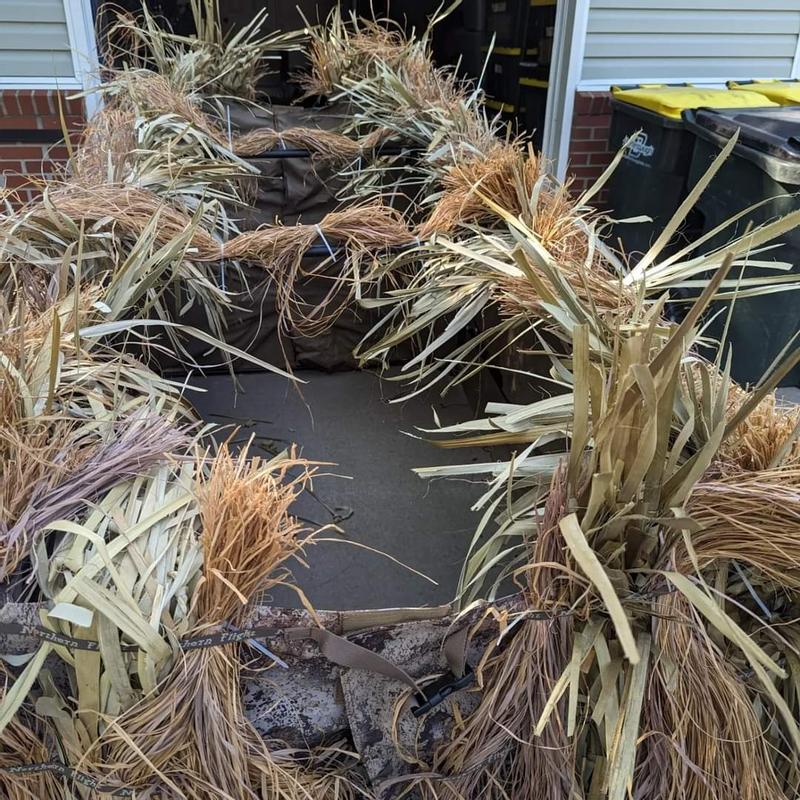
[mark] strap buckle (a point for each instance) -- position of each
(257, 646)
(439, 690)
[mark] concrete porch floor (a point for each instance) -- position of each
(346, 418)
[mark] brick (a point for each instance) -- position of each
(10, 105)
(18, 197)
(20, 151)
(49, 122)
(592, 146)
(578, 159)
(594, 120)
(592, 103)
(583, 104)
(577, 185)
(44, 103)
(587, 169)
(26, 105)
(19, 123)
(14, 179)
(584, 171)
(582, 134)
(75, 107)
(599, 159)
(72, 107)
(57, 153)
(601, 104)
(47, 167)
(595, 146)
(52, 122)
(39, 103)
(53, 101)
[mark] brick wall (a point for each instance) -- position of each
(588, 150)
(31, 138)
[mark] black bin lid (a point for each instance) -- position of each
(768, 136)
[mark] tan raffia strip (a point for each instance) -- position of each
(147, 92)
(368, 226)
(280, 250)
(327, 145)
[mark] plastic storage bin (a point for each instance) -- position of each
(533, 103)
(501, 80)
(508, 21)
(764, 165)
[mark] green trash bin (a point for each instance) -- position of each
(764, 166)
(651, 179)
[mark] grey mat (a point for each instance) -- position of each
(346, 418)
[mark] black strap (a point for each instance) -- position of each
(67, 772)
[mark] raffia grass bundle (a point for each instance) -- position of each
(669, 670)
(679, 682)
(168, 250)
(165, 155)
(345, 47)
(679, 588)
(177, 733)
(117, 573)
(705, 696)
(70, 414)
(212, 60)
(427, 108)
(706, 734)
(132, 212)
(364, 232)
(68, 472)
(533, 274)
(751, 517)
(127, 211)
(115, 553)
(328, 146)
(492, 752)
(145, 108)
(766, 438)
(133, 250)
(150, 135)
(506, 279)
(22, 743)
(508, 176)
(390, 82)
(109, 508)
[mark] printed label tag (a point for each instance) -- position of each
(639, 149)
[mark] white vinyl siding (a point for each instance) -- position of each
(633, 41)
(34, 40)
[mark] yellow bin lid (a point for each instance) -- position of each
(670, 101)
(785, 93)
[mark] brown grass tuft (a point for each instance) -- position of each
(503, 175)
(247, 536)
(21, 744)
(767, 435)
(702, 737)
(108, 144)
(339, 49)
(360, 230)
(493, 754)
